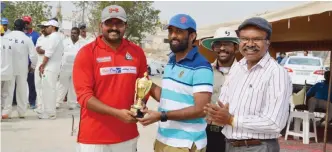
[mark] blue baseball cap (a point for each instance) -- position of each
(4, 21)
(183, 21)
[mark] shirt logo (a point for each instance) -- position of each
(118, 70)
(183, 20)
(104, 59)
(128, 56)
(181, 74)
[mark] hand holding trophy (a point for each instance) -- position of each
(142, 88)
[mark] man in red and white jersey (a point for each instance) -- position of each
(104, 74)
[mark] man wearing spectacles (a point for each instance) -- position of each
(224, 44)
(254, 100)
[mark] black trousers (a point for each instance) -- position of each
(215, 139)
(32, 89)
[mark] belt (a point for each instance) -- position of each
(214, 128)
(248, 142)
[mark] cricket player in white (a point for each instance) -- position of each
(22, 48)
(40, 46)
(50, 69)
(65, 84)
(6, 67)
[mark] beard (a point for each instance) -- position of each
(180, 47)
(116, 38)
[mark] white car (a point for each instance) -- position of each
(305, 68)
(155, 67)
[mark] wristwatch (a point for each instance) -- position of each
(163, 117)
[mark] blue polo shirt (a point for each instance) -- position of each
(319, 90)
(181, 80)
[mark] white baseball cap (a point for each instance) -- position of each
(52, 23)
(42, 24)
(222, 34)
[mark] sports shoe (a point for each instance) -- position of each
(45, 116)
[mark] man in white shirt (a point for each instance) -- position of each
(22, 47)
(40, 46)
(6, 68)
(65, 84)
(4, 23)
(49, 69)
(254, 100)
(83, 33)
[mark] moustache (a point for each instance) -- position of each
(111, 30)
(254, 48)
(223, 51)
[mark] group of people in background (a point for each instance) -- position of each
(36, 66)
(228, 105)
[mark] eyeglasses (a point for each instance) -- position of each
(255, 40)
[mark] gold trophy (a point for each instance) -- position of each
(142, 88)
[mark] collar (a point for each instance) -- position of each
(190, 55)
(262, 63)
(29, 31)
(100, 42)
(216, 65)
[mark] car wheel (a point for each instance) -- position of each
(149, 70)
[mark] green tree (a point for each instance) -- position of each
(38, 10)
(142, 18)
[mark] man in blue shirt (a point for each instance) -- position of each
(317, 95)
(281, 56)
(186, 88)
(31, 78)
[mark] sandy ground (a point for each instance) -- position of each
(34, 135)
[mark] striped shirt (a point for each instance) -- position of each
(258, 98)
(180, 81)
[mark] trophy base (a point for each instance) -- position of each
(139, 113)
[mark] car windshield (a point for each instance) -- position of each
(304, 61)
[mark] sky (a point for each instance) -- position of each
(205, 13)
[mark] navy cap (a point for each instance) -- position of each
(258, 22)
(183, 21)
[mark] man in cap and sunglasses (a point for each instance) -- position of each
(254, 100)
(104, 74)
(224, 44)
(49, 69)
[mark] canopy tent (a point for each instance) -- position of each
(303, 27)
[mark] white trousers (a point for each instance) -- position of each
(21, 94)
(127, 146)
(65, 85)
(48, 92)
(38, 89)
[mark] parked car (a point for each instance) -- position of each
(305, 68)
(155, 67)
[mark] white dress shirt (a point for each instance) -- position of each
(69, 54)
(41, 42)
(258, 98)
(54, 50)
